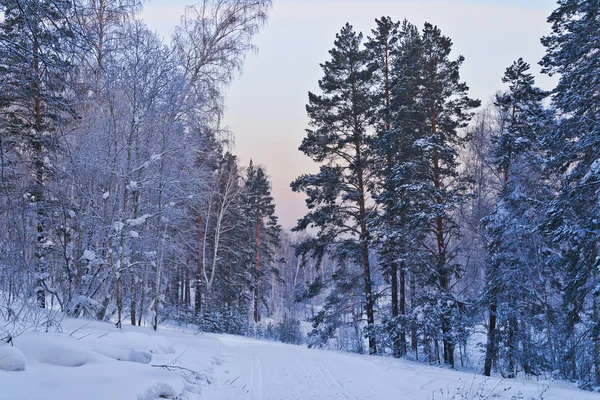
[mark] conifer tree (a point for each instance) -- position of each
(35, 38)
(446, 109)
(338, 196)
(515, 266)
(573, 145)
(262, 220)
(381, 49)
(402, 221)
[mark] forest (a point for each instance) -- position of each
(438, 228)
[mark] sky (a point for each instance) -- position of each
(265, 106)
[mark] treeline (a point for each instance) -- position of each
(440, 221)
(119, 198)
(434, 220)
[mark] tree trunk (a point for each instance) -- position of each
(403, 309)
(511, 341)
(188, 288)
(38, 166)
(398, 340)
(198, 285)
(133, 302)
(119, 295)
(414, 343)
(490, 353)
(440, 232)
(448, 341)
(369, 299)
(256, 315)
(142, 297)
(596, 329)
(395, 337)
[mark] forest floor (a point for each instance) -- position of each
(92, 360)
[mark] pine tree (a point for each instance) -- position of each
(35, 39)
(445, 109)
(573, 147)
(402, 219)
(338, 198)
(515, 265)
(382, 50)
(260, 212)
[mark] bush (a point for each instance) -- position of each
(288, 331)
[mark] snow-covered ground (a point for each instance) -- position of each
(92, 360)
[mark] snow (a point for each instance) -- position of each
(137, 363)
(138, 356)
(118, 226)
(53, 349)
(133, 186)
(89, 255)
(138, 221)
(11, 359)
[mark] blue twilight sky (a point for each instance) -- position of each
(265, 106)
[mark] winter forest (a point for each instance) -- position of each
(439, 229)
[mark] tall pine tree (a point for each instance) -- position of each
(445, 109)
(516, 267)
(35, 55)
(381, 49)
(339, 138)
(573, 147)
(262, 221)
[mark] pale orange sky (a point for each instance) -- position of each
(265, 106)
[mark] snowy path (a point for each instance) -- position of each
(254, 370)
(94, 361)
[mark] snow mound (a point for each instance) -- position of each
(53, 349)
(158, 391)
(154, 343)
(11, 359)
(138, 356)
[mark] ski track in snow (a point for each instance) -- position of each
(235, 368)
(274, 371)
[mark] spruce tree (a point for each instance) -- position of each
(339, 138)
(35, 40)
(573, 146)
(260, 214)
(516, 266)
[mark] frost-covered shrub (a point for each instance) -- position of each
(474, 390)
(271, 333)
(230, 320)
(288, 331)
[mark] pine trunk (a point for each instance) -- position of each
(188, 288)
(414, 343)
(395, 336)
(490, 354)
(511, 339)
(440, 233)
(403, 310)
(256, 254)
(596, 329)
(367, 272)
